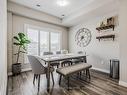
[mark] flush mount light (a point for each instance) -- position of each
(62, 15)
(38, 5)
(62, 2)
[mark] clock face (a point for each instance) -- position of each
(83, 37)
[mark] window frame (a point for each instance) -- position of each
(49, 30)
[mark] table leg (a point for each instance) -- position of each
(85, 59)
(48, 78)
(68, 82)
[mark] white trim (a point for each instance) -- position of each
(102, 70)
(122, 83)
(23, 70)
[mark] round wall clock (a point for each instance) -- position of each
(83, 37)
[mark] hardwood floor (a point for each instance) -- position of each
(100, 84)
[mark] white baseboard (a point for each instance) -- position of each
(122, 83)
(23, 70)
(102, 70)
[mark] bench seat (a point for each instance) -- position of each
(76, 68)
(73, 69)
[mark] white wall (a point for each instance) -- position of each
(3, 47)
(123, 42)
(99, 53)
(17, 23)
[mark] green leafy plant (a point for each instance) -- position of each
(21, 41)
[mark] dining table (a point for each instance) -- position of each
(59, 57)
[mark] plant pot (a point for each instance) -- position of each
(16, 68)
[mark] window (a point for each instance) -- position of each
(32, 48)
(42, 41)
(55, 41)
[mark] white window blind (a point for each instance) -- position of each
(42, 41)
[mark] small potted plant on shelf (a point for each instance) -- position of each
(20, 41)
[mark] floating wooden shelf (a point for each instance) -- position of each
(106, 27)
(106, 37)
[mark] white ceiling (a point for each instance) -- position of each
(75, 12)
(51, 7)
(97, 8)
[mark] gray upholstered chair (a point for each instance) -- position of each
(53, 63)
(80, 52)
(64, 51)
(58, 52)
(38, 69)
(47, 53)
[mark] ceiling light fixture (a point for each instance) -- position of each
(62, 15)
(62, 2)
(38, 5)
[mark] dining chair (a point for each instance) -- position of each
(58, 52)
(80, 52)
(64, 51)
(38, 69)
(47, 53)
(52, 63)
(66, 63)
(79, 60)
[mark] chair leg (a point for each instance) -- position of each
(86, 73)
(80, 74)
(89, 74)
(71, 63)
(60, 80)
(57, 66)
(34, 79)
(61, 65)
(68, 82)
(38, 82)
(36, 76)
(46, 76)
(52, 78)
(77, 75)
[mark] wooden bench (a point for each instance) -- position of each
(69, 70)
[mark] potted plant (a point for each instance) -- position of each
(20, 41)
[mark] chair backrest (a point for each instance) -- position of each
(37, 67)
(58, 52)
(67, 62)
(80, 52)
(47, 53)
(64, 51)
